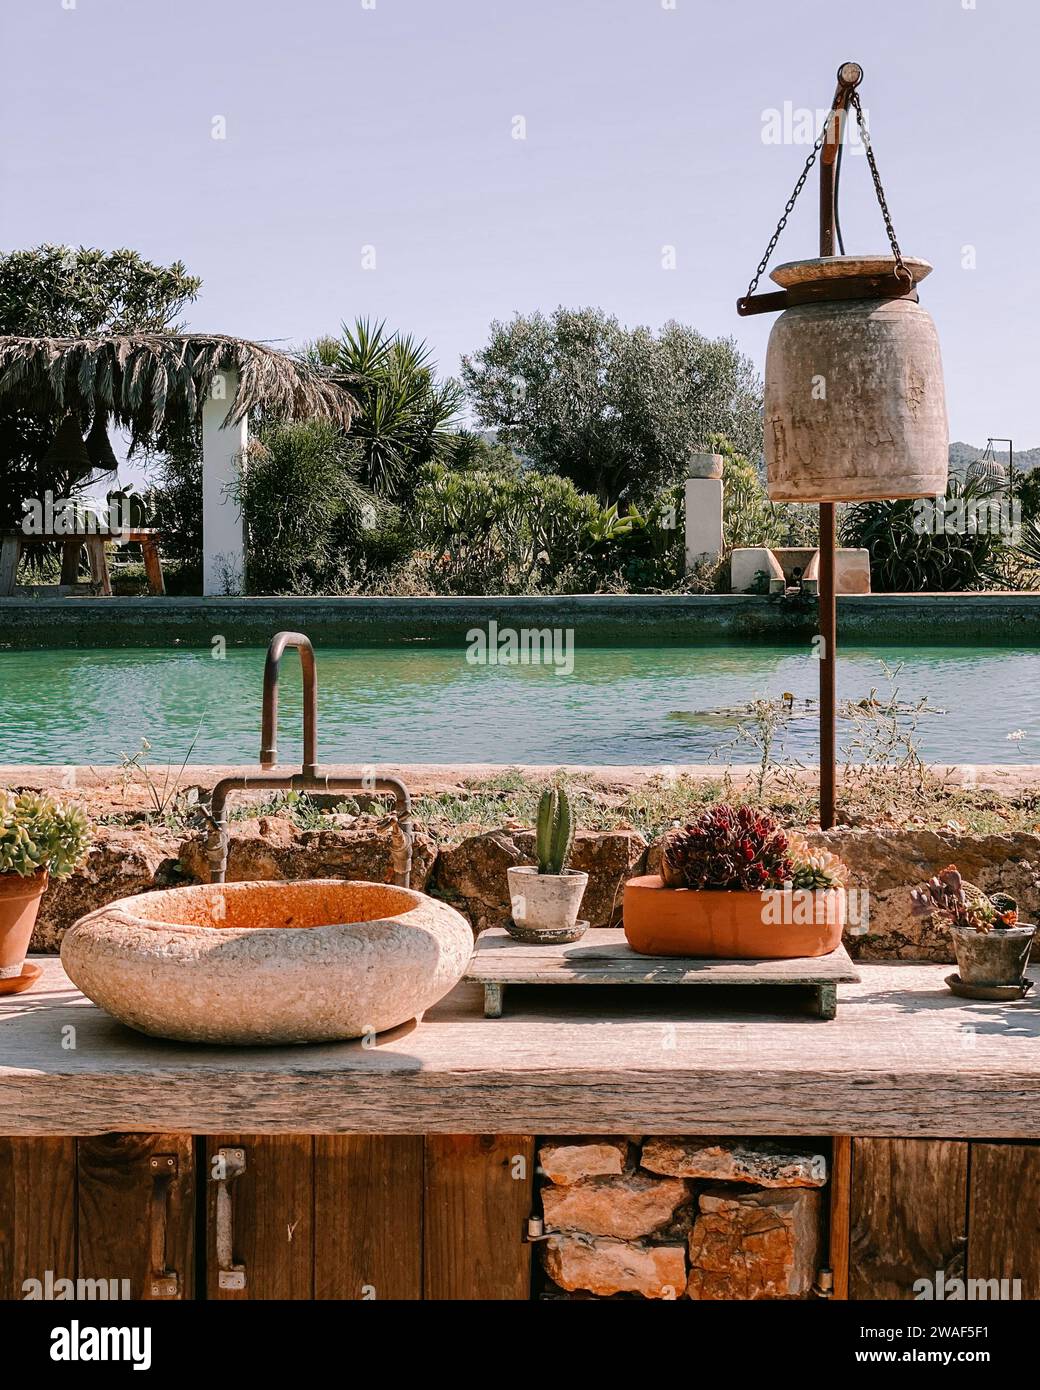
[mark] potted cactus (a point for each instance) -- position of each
(735, 885)
(38, 838)
(992, 946)
(545, 897)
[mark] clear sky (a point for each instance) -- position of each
(391, 124)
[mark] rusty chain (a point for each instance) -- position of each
(790, 205)
(901, 268)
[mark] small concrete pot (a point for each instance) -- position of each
(993, 957)
(545, 902)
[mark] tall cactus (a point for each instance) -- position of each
(555, 831)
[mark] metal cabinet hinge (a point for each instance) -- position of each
(535, 1231)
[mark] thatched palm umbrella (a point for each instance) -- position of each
(156, 385)
(150, 382)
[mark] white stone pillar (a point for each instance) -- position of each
(223, 529)
(703, 509)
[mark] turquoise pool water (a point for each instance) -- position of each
(421, 703)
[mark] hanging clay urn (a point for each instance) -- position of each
(854, 403)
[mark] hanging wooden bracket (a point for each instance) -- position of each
(828, 291)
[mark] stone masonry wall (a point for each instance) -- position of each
(694, 1217)
(471, 874)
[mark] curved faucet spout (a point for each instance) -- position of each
(269, 724)
(309, 778)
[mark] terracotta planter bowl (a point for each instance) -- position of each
(311, 961)
(774, 925)
(19, 904)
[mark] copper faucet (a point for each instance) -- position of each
(310, 777)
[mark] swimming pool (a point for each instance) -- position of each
(427, 704)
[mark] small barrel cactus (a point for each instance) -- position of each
(727, 848)
(554, 834)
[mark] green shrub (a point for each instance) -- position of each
(904, 558)
(638, 550)
(303, 506)
(37, 832)
(489, 532)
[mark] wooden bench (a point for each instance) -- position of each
(12, 543)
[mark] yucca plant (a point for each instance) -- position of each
(404, 414)
(907, 559)
(554, 832)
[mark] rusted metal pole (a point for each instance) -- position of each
(849, 77)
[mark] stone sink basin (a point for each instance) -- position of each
(311, 961)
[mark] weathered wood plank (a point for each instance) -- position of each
(840, 1213)
(1004, 1216)
(368, 1201)
(271, 1217)
(602, 956)
(909, 1215)
(478, 1197)
(37, 1212)
(137, 1212)
(627, 1060)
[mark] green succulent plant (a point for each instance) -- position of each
(37, 832)
(963, 904)
(554, 833)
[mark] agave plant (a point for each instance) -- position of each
(904, 558)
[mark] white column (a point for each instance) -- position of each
(703, 509)
(223, 529)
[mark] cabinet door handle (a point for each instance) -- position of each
(231, 1164)
(162, 1281)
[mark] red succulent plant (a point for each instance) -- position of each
(738, 848)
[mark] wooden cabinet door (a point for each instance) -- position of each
(37, 1214)
(368, 1203)
(259, 1216)
(478, 1197)
(136, 1208)
(909, 1214)
(1004, 1218)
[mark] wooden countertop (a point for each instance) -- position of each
(903, 1057)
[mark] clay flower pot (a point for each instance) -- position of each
(19, 904)
(778, 924)
(993, 957)
(544, 905)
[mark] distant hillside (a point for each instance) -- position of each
(963, 454)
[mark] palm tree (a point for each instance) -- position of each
(404, 415)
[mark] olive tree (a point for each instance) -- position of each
(613, 409)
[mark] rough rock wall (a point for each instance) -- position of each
(472, 873)
(667, 1218)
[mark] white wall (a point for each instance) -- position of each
(223, 531)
